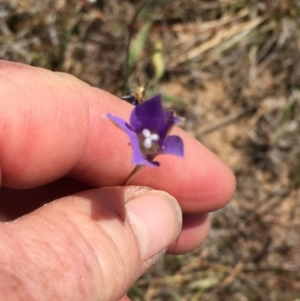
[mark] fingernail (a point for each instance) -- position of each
(156, 219)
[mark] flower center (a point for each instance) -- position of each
(149, 138)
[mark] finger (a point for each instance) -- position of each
(195, 229)
(52, 125)
(89, 246)
(125, 298)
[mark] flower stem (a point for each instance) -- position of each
(132, 174)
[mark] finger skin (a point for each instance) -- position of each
(81, 247)
(53, 125)
(194, 231)
(20, 202)
(125, 298)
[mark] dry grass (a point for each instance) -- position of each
(232, 68)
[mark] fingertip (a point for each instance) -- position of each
(210, 182)
(125, 298)
(194, 231)
(152, 213)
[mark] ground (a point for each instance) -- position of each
(232, 70)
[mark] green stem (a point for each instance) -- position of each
(136, 169)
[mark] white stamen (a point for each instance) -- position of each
(149, 138)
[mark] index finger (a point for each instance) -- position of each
(52, 125)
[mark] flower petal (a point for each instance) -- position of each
(137, 158)
(171, 120)
(173, 145)
(149, 115)
(121, 123)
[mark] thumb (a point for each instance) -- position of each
(88, 246)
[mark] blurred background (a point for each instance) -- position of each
(231, 68)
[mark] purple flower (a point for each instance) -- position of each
(148, 131)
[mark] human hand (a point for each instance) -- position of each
(96, 238)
